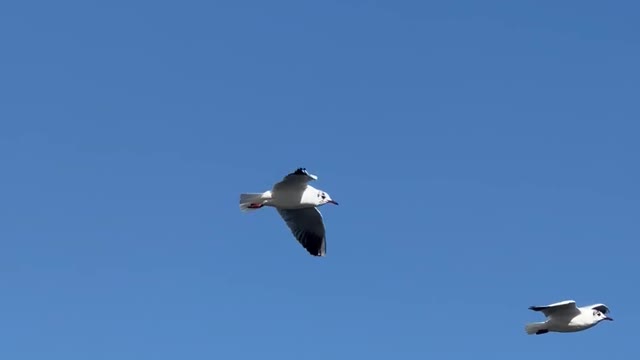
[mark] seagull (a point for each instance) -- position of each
(565, 316)
(296, 201)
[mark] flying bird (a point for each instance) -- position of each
(296, 201)
(565, 316)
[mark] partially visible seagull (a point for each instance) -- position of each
(565, 316)
(296, 202)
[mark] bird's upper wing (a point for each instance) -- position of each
(307, 227)
(600, 307)
(567, 307)
(298, 177)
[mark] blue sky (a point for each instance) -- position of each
(484, 155)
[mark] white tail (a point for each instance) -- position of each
(253, 201)
(533, 328)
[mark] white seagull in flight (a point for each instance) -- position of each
(296, 201)
(565, 317)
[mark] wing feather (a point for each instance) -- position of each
(307, 227)
(299, 177)
(567, 306)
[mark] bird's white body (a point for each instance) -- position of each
(292, 198)
(566, 317)
(580, 322)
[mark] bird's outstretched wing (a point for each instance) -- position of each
(600, 307)
(307, 227)
(298, 177)
(565, 307)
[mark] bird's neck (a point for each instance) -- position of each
(310, 196)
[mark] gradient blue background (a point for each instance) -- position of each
(484, 154)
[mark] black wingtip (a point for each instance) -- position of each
(314, 245)
(537, 308)
(315, 249)
(300, 171)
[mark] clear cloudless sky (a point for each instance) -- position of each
(484, 153)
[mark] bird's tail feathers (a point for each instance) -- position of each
(533, 328)
(253, 201)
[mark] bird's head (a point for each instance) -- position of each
(324, 198)
(599, 316)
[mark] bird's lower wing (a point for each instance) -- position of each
(307, 227)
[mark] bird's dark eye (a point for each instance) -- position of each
(323, 196)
